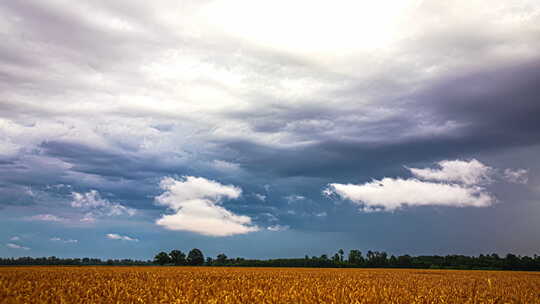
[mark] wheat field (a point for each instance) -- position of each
(263, 285)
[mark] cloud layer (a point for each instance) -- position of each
(91, 122)
(95, 206)
(195, 201)
(457, 183)
(46, 218)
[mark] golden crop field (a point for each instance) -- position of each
(263, 285)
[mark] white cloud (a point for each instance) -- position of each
(294, 198)
(457, 184)
(195, 201)
(225, 166)
(93, 207)
(15, 246)
(46, 218)
(391, 194)
(278, 227)
(66, 241)
(98, 206)
(468, 172)
(114, 236)
(321, 214)
(270, 217)
(14, 238)
(88, 218)
(518, 176)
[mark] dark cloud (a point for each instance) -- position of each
(493, 110)
(498, 104)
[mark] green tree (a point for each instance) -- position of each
(221, 259)
(335, 258)
(162, 258)
(404, 260)
(355, 257)
(177, 257)
(341, 253)
(195, 257)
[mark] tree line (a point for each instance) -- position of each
(52, 260)
(354, 258)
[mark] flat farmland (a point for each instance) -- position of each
(263, 285)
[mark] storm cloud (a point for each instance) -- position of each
(105, 107)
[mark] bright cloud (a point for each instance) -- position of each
(115, 236)
(14, 238)
(467, 172)
(66, 241)
(195, 201)
(15, 246)
(376, 22)
(455, 183)
(97, 206)
(390, 194)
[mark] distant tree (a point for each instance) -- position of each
(335, 258)
(376, 258)
(177, 257)
(355, 257)
(209, 261)
(195, 257)
(370, 257)
(239, 259)
(341, 253)
(511, 260)
(162, 258)
(392, 261)
(404, 260)
(383, 258)
(221, 259)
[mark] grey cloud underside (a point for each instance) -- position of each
(494, 103)
(494, 109)
(479, 102)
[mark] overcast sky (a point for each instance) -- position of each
(269, 128)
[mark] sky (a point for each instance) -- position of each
(266, 129)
